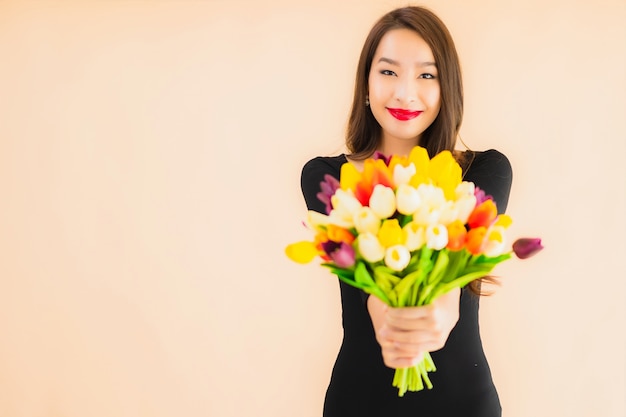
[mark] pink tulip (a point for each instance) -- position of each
(328, 188)
(343, 256)
(527, 247)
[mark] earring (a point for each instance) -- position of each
(367, 101)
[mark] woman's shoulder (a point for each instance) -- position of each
(322, 165)
(313, 174)
(490, 160)
(326, 161)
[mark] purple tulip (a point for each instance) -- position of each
(527, 247)
(380, 155)
(341, 253)
(481, 197)
(328, 186)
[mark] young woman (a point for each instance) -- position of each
(409, 92)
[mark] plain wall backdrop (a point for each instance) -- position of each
(150, 157)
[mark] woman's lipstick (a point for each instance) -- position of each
(403, 115)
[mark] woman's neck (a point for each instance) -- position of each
(400, 147)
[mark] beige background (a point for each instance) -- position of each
(150, 154)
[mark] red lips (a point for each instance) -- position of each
(402, 114)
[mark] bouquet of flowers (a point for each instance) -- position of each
(407, 230)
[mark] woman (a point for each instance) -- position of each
(409, 92)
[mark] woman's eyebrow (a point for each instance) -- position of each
(417, 64)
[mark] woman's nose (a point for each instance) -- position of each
(406, 90)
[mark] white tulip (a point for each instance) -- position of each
(425, 216)
(415, 236)
(397, 257)
(464, 189)
(315, 219)
(407, 199)
(449, 213)
(383, 201)
(495, 241)
(345, 205)
(366, 221)
(465, 206)
(436, 237)
(432, 196)
(370, 248)
(402, 174)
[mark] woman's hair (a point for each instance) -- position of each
(364, 133)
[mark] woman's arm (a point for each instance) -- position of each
(406, 333)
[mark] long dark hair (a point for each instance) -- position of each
(364, 133)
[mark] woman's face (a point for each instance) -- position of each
(404, 92)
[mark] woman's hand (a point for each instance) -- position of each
(406, 333)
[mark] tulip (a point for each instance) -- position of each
(328, 188)
(465, 189)
(382, 157)
(445, 173)
(456, 235)
(495, 241)
(370, 248)
(483, 215)
(415, 236)
(436, 237)
(431, 195)
(383, 201)
(349, 177)
(343, 255)
(465, 205)
(402, 174)
(503, 220)
(449, 213)
(481, 196)
(375, 172)
(426, 216)
(315, 219)
(345, 205)
(339, 234)
(475, 240)
(527, 247)
(366, 221)
(397, 257)
(302, 252)
(407, 199)
(390, 233)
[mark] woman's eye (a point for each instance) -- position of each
(387, 72)
(427, 76)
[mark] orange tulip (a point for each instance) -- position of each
(483, 215)
(475, 240)
(456, 235)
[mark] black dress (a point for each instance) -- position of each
(360, 384)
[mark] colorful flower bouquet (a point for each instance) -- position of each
(407, 230)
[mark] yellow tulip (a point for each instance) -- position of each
(390, 233)
(446, 173)
(503, 220)
(302, 252)
(349, 177)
